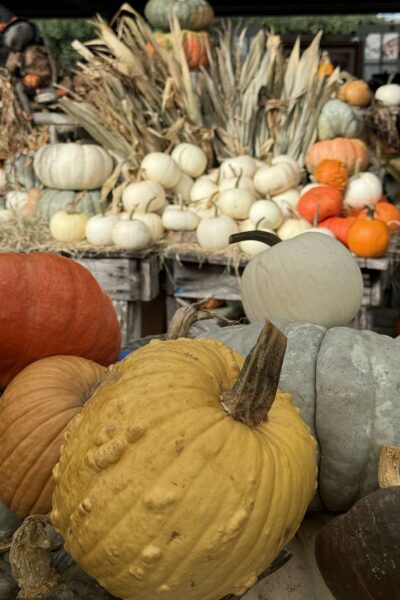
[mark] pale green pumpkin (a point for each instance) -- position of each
(338, 119)
(52, 201)
(191, 14)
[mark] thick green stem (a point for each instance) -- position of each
(254, 392)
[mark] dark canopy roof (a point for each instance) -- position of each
(87, 8)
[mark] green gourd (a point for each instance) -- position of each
(338, 119)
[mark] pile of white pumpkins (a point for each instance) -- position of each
(173, 192)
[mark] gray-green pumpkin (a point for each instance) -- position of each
(338, 119)
(191, 14)
(52, 201)
(19, 172)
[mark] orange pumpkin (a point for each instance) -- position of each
(195, 45)
(350, 151)
(355, 93)
(328, 201)
(331, 172)
(387, 212)
(339, 226)
(31, 80)
(369, 237)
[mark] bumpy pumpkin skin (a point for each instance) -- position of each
(35, 411)
(51, 305)
(160, 492)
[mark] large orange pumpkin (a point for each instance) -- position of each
(350, 151)
(328, 201)
(52, 305)
(387, 212)
(369, 237)
(339, 226)
(35, 411)
(331, 172)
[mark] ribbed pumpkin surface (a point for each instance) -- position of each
(51, 305)
(35, 411)
(348, 151)
(161, 493)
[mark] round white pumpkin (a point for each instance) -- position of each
(72, 166)
(363, 189)
(131, 234)
(176, 218)
(287, 201)
(239, 165)
(236, 203)
(99, 228)
(154, 224)
(293, 227)
(162, 168)
(283, 173)
(388, 94)
(191, 159)
(144, 196)
(214, 175)
(242, 183)
(68, 227)
(213, 232)
(203, 189)
(183, 187)
(310, 278)
(266, 211)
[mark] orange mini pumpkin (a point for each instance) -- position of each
(339, 226)
(369, 237)
(387, 212)
(355, 93)
(328, 201)
(331, 172)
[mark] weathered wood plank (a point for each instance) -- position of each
(119, 277)
(211, 280)
(130, 321)
(150, 278)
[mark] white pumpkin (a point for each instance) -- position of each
(283, 173)
(253, 247)
(191, 159)
(388, 94)
(16, 200)
(72, 166)
(293, 227)
(144, 196)
(310, 186)
(99, 228)
(183, 187)
(213, 232)
(131, 234)
(363, 189)
(162, 168)
(310, 278)
(236, 203)
(323, 230)
(178, 218)
(239, 165)
(68, 226)
(287, 201)
(154, 224)
(242, 183)
(214, 175)
(266, 211)
(203, 189)
(203, 209)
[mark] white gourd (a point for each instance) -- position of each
(191, 159)
(178, 218)
(154, 223)
(214, 175)
(137, 195)
(162, 168)
(253, 247)
(242, 183)
(293, 227)
(68, 227)
(236, 203)
(363, 189)
(202, 190)
(131, 234)
(183, 187)
(213, 232)
(16, 200)
(283, 173)
(389, 94)
(287, 201)
(239, 165)
(267, 211)
(99, 228)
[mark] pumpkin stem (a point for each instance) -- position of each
(370, 211)
(184, 318)
(254, 392)
(260, 236)
(73, 208)
(259, 222)
(389, 466)
(30, 558)
(239, 178)
(357, 167)
(212, 202)
(146, 210)
(316, 216)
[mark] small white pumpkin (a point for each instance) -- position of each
(136, 196)
(388, 94)
(72, 166)
(292, 227)
(203, 189)
(183, 187)
(267, 211)
(16, 200)
(162, 168)
(253, 247)
(236, 203)
(191, 159)
(362, 189)
(239, 165)
(154, 223)
(179, 218)
(283, 173)
(213, 232)
(99, 228)
(242, 183)
(131, 234)
(68, 226)
(287, 201)
(214, 175)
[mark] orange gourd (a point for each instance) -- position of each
(195, 45)
(339, 226)
(369, 237)
(31, 80)
(355, 93)
(331, 172)
(352, 152)
(328, 201)
(387, 212)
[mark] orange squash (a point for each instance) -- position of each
(328, 200)
(339, 226)
(331, 172)
(195, 45)
(369, 237)
(351, 152)
(355, 93)
(387, 212)
(35, 411)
